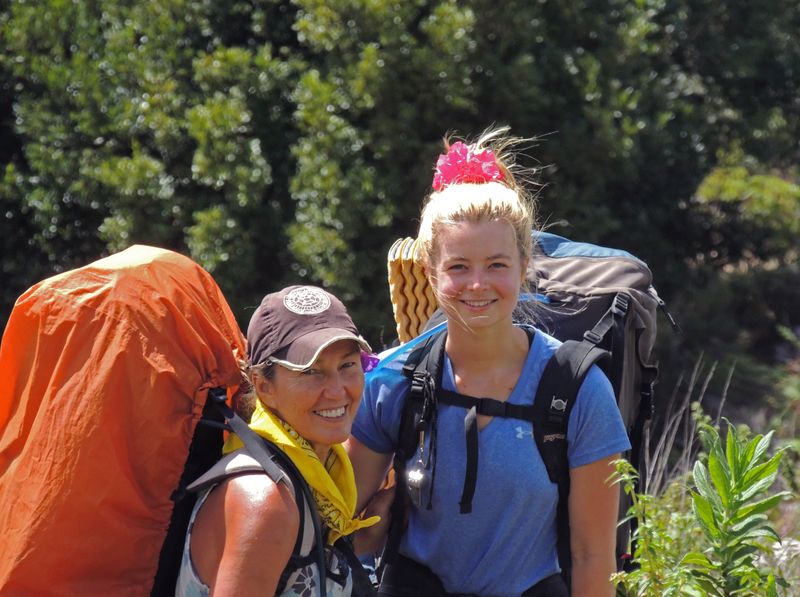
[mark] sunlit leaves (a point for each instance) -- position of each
(740, 195)
(730, 509)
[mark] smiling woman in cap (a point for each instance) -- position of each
(247, 533)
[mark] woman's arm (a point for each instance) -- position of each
(244, 535)
(369, 467)
(593, 510)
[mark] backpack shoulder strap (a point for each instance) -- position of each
(422, 368)
(555, 397)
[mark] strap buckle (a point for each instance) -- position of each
(593, 337)
(422, 384)
(558, 405)
(620, 304)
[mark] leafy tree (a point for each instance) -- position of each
(283, 140)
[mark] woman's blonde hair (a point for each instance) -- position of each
(506, 200)
(246, 397)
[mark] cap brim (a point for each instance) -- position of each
(305, 350)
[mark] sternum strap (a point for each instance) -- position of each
(479, 406)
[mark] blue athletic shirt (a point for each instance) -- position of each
(508, 542)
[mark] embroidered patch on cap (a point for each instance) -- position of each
(307, 300)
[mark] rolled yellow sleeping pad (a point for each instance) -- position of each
(413, 300)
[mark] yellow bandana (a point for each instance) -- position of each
(334, 489)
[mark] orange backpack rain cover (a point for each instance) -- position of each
(104, 371)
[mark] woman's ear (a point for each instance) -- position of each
(430, 276)
(265, 389)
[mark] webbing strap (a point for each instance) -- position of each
(419, 410)
(398, 514)
(250, 438)
(488, 406)
(619, 313)
(479, 406)
(646, 389)
(471, 476)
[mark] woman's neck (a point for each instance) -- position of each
(483, 349)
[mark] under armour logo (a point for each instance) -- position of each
(522, 432)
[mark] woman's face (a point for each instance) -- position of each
(478, 273)
(321, 401)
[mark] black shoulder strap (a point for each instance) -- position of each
(422, 368)
(555, 397)
(204, 451)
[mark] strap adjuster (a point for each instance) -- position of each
(593, 337)
(557, 411)
(620, 304)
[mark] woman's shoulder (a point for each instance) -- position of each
(250, 511)
(256, 503)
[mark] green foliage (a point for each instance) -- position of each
(711, 549)
(666, 530)
(279, 140)
(730, 504)
(755, 210)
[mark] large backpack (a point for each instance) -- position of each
(601, 304)
(106, 371)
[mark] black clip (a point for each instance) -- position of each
(218, 395)
(424, 383)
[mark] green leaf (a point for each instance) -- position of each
(761, 446)
(705, 515)
(764, 505)
(751, 522)
(741, 558)
(750, 450)
(758, 487)
(720, 477)
(762, 470)
(696, 559)
(704, 486)
(754, 536)
(709, 586)
(732, 453)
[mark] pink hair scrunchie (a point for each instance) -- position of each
(464, 163)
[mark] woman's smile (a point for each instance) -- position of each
(332, 413)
